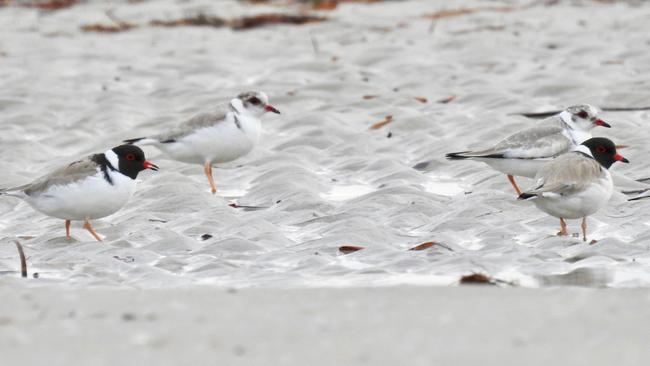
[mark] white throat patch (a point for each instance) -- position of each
(237, 106)
(566, 118)
(112, 158)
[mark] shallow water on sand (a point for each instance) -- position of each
(320, 178)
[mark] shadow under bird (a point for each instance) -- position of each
(94, 187)
(525, 152)
(576, 184)
(212, 138)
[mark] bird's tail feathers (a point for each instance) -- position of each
(12, 192)
(473, 154)
(457, 155)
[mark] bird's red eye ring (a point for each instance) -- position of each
(601, 149)
(583, 114)
(130, 157)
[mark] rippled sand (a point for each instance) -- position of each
(321, 176)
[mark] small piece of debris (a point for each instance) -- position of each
(423, 246)
(388, 119)
(368, 97)
(446, 99)
(107, 28)
(126, 259)
(347, 249)
(23, 260)
(158, 220)
(246, 207)
(421, 99)
(269, 19)
(46, 5)
(200, 20)
(476, 279)
(206, 236)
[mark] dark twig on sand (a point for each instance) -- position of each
(23, 260)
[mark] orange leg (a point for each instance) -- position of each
(207, 168)
(92, 231)
(514, 184)
(584, 229)
(563, 231)
(67, 229)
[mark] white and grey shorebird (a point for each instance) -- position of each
(576, 184)
(525, 152)
(91, 188)
(208, 139)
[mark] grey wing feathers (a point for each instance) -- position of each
(188, 127)
(531, 143)
(535, 142)
(567, 173)
(70, 173)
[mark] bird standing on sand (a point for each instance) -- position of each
(207, 139)
(525, 152)
(576, 184)
(91, 188)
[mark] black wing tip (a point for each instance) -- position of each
(459, 156)
(536, 115)
(456, 156)
(525, 196)
(133, 141)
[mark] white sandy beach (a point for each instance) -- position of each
(323, 180)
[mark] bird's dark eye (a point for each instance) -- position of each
(583, 114)
(129, 157)
(255, 100)
(601, 149)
